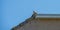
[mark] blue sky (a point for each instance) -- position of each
(14, 12)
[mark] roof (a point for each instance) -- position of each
(48, 16)
(39, 16)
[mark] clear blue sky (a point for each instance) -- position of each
(14, 12)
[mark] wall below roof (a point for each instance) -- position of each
(47, 18)
(41, 25)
